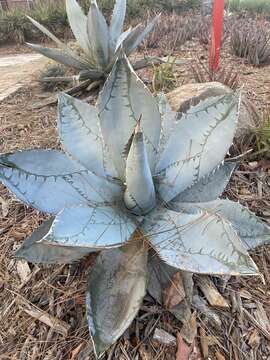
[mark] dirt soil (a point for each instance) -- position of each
(57, 292)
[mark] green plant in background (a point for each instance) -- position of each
(14, 26)
(172, 31)
(226, 76)
(251, 40)
(164, 78)
(51, 14)
(100, 44)
(262, 135)
(140, 184)
(257, 6)
(48, 78)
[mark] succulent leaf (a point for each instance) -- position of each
(98, 35)
(116, 287)
(137, 35)
(100, 44)
(168, 120)
(140, 195)
(93, 227)
(49, 181)
(37, 252)
(160, 277)
(130, 39)
(200, 243)
(80, 134)
(123, 101)
(117, 22)
(209, 187)
(62, 46)
(198, 144)
(121, 38)
(59, 56)
(252, 231)
(78, 23)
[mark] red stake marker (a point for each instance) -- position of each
(217, 24)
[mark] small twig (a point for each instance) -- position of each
(239, 156)
(257, 324)
(56, 324)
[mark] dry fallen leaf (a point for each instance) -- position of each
(262, 318)
(189, 329)
(211, 293)
(183, 349)
(164, 338)
(254, 339)
(76, 351)
(23, 270)
(174, 293)
(196, 353)
(4, 207)
(204, 342)
(219, 356)
(144, 355)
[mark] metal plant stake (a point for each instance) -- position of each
(140, 185)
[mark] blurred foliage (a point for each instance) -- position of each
(172, 31)
(262, 139)
(256, 6)
(52, 71)
(251, 40)
(164, 78)
(14, 26)
(226, 76)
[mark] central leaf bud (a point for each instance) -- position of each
(139, 196)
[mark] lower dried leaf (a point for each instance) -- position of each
(174, 293)
(183, 350)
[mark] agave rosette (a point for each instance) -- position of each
(100, 43)
(135, 176)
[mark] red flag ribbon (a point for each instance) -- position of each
(217, 24)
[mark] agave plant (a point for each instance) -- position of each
(140, 185)
(100, 43)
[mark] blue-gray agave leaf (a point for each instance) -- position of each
(140, 195)
(78, 23)
(252, 231)
(116, 287)
(100, 44)
(120, 40)
(200, 243)
(208, 188)
(59, 56)
(98, 34)
(78, 127)
(92, 227)
(198, 144)
(38, 252)
(49, 181)
(168, 120)
(62, 46)
(160, 277)
(117, 22)
(123, 101)
(138, 35)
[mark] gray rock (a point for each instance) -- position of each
(184, 96)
